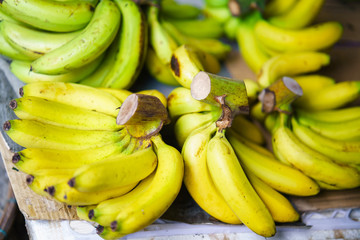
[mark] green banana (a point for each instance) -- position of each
(34, 134)
(300, 15)
(74, 94)
(216, 3)
(34, 43)
(21, 69)
(133, 42)
(173, 10)
(232, 183)
(220, 14)
(92, 41)
(50, 15)
(278, 7)
(4, 17)
(230, 27)
(334, 115)
(342, 152)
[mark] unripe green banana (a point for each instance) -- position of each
(85, 47)
(114, 171)
(278, 7)
(133, 42)
(334, 115)
(51, 15)
(174, 10)
(34, 43)
(220, 14)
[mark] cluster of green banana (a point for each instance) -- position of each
(229, 173)
(98, 43)
(76, 153)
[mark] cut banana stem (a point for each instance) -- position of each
(282, 92)
(207, 87)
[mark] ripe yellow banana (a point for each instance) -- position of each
(120, 94)
(330, 97)
(187, 123)
(62, 115)
(21, 69)
(160, 194)
(234, 186)
(288, 148)
(114, 171)
(181, 102)
(279, 206)
(290, 64)
(300, 15)
(248, 129)
(34, 134)
(54, 16)
(34, 43)
(197, 177)
(278, 7)
(74, 94)
(342, 152)
(265, 166)
(92, 41)
(133, 42)
(312, 38)
(333, 115)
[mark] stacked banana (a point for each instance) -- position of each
(76, 153)
(98, 43)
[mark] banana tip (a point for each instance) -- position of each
(15, 158)
(50, 190)
(7, 126)
(71, 182)
(29, 179)
(21, 91)
(13, 104)
(99, 229)
(91, 214)
(113, 225)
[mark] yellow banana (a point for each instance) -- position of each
(21, 69)
(312, 38)
(288, 148)
(158, 197)
(290, 64)
(197, 178)
(74, 94)
(330, 97)
(114, 171)
(51, 15)
(257, 113)
(232, 183)
(34, 43)
(252, 89)
(300, 15)
(62, 115)
(333, 115)
(120, 94)
(342, 152)
(279, 206)
(133, 42)
(265, 166)
(278, 7)
(86, 46)
(34, 134)
(248, 129)
(187, 123)
(181, 102)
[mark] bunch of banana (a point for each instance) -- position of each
(77, 152)
(102, 43)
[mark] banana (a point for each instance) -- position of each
(92, 41)
(133, 44)
(342, 152)
(160, 194)
(300, 15)
(343, 131)
(230, 27)
(32, 42)
(266, 167)
(232, 183)
(21, 69)
(252, 89)
(279, 206)
(51, 15)
(30, 160)
(216, 3)
(34, 134)
(185, 64)
(83, 212)
(257, 113)
(197, 178)
(174, 10)
(278, 7)
(75, 95)
(158, 70)
(120, 94)
(62, 115)
(248, 129)
(312, 38)
(313, 82)
(330, 97)
(62, 192)
(4, 17)
(106, 211)
(187, 123)
(288, 148)
(114, 171)
(155, 93)
(181, 102)
(290, 64)
(333, 115)
(249, 46)
(220, 14)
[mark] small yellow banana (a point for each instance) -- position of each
(248, 129)
(333, 115)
